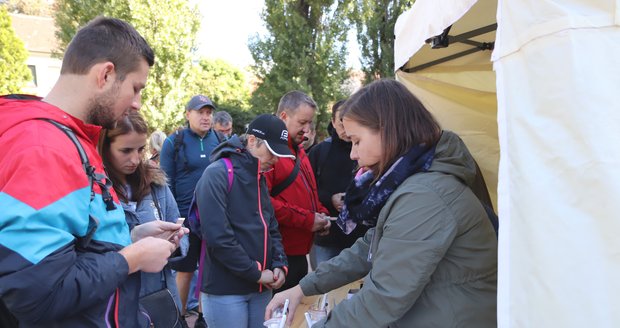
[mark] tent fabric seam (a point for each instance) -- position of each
(545, 30)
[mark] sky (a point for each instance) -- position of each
(227, 25)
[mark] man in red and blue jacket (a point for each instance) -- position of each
(66, 255)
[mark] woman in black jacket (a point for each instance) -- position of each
(244, 254)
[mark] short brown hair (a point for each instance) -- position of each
(106, 39)
(403, 122)
(292, 100)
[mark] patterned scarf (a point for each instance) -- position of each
(363, 201)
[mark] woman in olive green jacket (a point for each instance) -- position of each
(430, 259)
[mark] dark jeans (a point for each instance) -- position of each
(190, 262)
(297, 269)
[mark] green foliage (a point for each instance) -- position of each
(169, 26)
(304, 50)
(14, 73)
(226, 86)
(70, 15)
(374, 21)
(224, 83)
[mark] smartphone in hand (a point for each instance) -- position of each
(170, 235)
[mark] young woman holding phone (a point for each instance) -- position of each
(141, 187)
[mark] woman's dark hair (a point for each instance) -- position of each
(140, 181)
(388, 107)
(336, 108)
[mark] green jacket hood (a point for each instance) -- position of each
(453, 158)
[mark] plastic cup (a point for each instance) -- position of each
(317, 314)
(272, 323)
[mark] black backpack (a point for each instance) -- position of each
(178, 143)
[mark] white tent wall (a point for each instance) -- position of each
(558, 80)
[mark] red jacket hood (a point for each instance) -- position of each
(15, 111)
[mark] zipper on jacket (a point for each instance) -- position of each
(112, 310)
(108, 310)
(260, 212)
(118, 300)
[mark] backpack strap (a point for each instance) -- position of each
(178, 143)
(203, 243)
(104, 183)
(277, 189)
(89, 169)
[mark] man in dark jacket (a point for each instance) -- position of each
(66, 253)
(297, 206)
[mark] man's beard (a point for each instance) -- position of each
(101, 110)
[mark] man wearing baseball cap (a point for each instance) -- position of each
(184, 156)
(245, 258)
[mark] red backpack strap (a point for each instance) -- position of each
(203, 244)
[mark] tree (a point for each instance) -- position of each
(226, 86)
(170, 28)
(304, 49)
(14, 73)
(222, 82)
(374, 21)
(70, 15)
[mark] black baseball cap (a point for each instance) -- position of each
(199, 101)
(274, 132)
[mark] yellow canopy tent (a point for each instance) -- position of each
(456, 83)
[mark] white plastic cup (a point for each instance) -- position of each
(272, 323)
(317, 314)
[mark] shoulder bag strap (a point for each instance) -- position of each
(277, 189)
